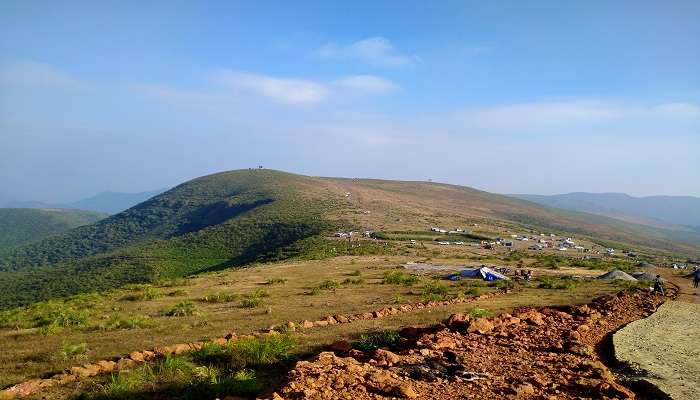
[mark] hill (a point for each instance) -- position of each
(652, 210)
(21, 225)
(233, 218)
(105, 202)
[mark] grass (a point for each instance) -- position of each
(121, 321)
(353, 281)
(219, 297)
(181, 309)
(399, 278)
(434, 291)
(255, 299)
(480, 312)
(329, 285)
(261, 351)
(146, 293)
(375, 340)
(472, 291)
(551, 283)
(276, 281)
(288, 301)
(73, 351)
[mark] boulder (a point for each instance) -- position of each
(341, 346)
(385, 357)
(481, 326)
(306, 324)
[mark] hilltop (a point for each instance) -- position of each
(21, 225)
(233, 218)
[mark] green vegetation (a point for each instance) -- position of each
(397, 277)
(276, 281)
(428, 236)
(329, 285)
(551, 283)
(255, 299)
(70, 351)
(434, 291)
(181, 309)
(479, 312)
(472, 291)
(375, 340)
(219, 297)
(144, 293)
(120, 321)
(24, 225)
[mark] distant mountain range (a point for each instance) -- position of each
(659, 211)
(25, 225)
(105, 202)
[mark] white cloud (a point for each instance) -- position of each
(366, 83)
(376, 51)
(30, 73)
(292, 91)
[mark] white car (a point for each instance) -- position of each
(460, 243)
(443, 243)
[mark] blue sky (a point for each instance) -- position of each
(511, 97)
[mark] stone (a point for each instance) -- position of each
(306, 324)
(342, 319)
(341, 346)
(481, 326)
(385, 357)
(137, 356)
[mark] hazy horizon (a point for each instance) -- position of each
(537, 98)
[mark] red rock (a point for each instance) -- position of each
(480, 325)
(385, 357)
(137, 356)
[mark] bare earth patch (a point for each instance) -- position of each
(664, 346)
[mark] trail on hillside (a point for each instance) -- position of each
(534, 353)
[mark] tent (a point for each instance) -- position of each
(484, 273)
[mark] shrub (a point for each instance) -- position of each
(148, 293)
(212, 353)
(549, 283)
(314, 291)
(181, 309)
(399, 278)
(173, 282)
(252, 302)
(371, 341)
(119, 321)
(70, 351)
(479, 312)
(329, 285)
(219, 297)
(275, 281)
(434, 291)
(178, 292)
(353, 281)
(355, 273)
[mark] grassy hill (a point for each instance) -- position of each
(20, 225)
(233, 218)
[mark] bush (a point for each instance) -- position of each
(434, 291)
(70, 351)
(314, 291)
(329, 285)
(252, 302)
(355, 273)
(353, 281)
(371, 341)
(118, 321)
(275, 281)
(178, 292)
(175, 368)
(181, 309)
(123, 383)
(479, 312)
(399, 278)
(219, 297)
(549, 283)
(173, 282)
(148, 293)
(472, 291)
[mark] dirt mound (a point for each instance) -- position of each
(643, 276)
(645, 264)
(617, 274)
(534, 353)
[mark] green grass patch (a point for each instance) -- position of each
(374, 340)
(120, 321)
(220, 297)
(73, 351)
(479, 313)
(397, 277)
(181, 309)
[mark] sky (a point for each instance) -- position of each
(506, 96)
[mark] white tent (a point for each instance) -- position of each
(484, 273)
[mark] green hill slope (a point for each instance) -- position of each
(23, 225)
(232, 218)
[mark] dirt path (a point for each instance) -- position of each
(665, 348)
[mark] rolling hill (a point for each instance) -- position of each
(652, 210)
(233, 218)
(105, 202)
(22, 225)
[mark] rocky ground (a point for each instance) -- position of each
(663, 349)
(533, 353)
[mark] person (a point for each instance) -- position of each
(696, 277)
(659, 285)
